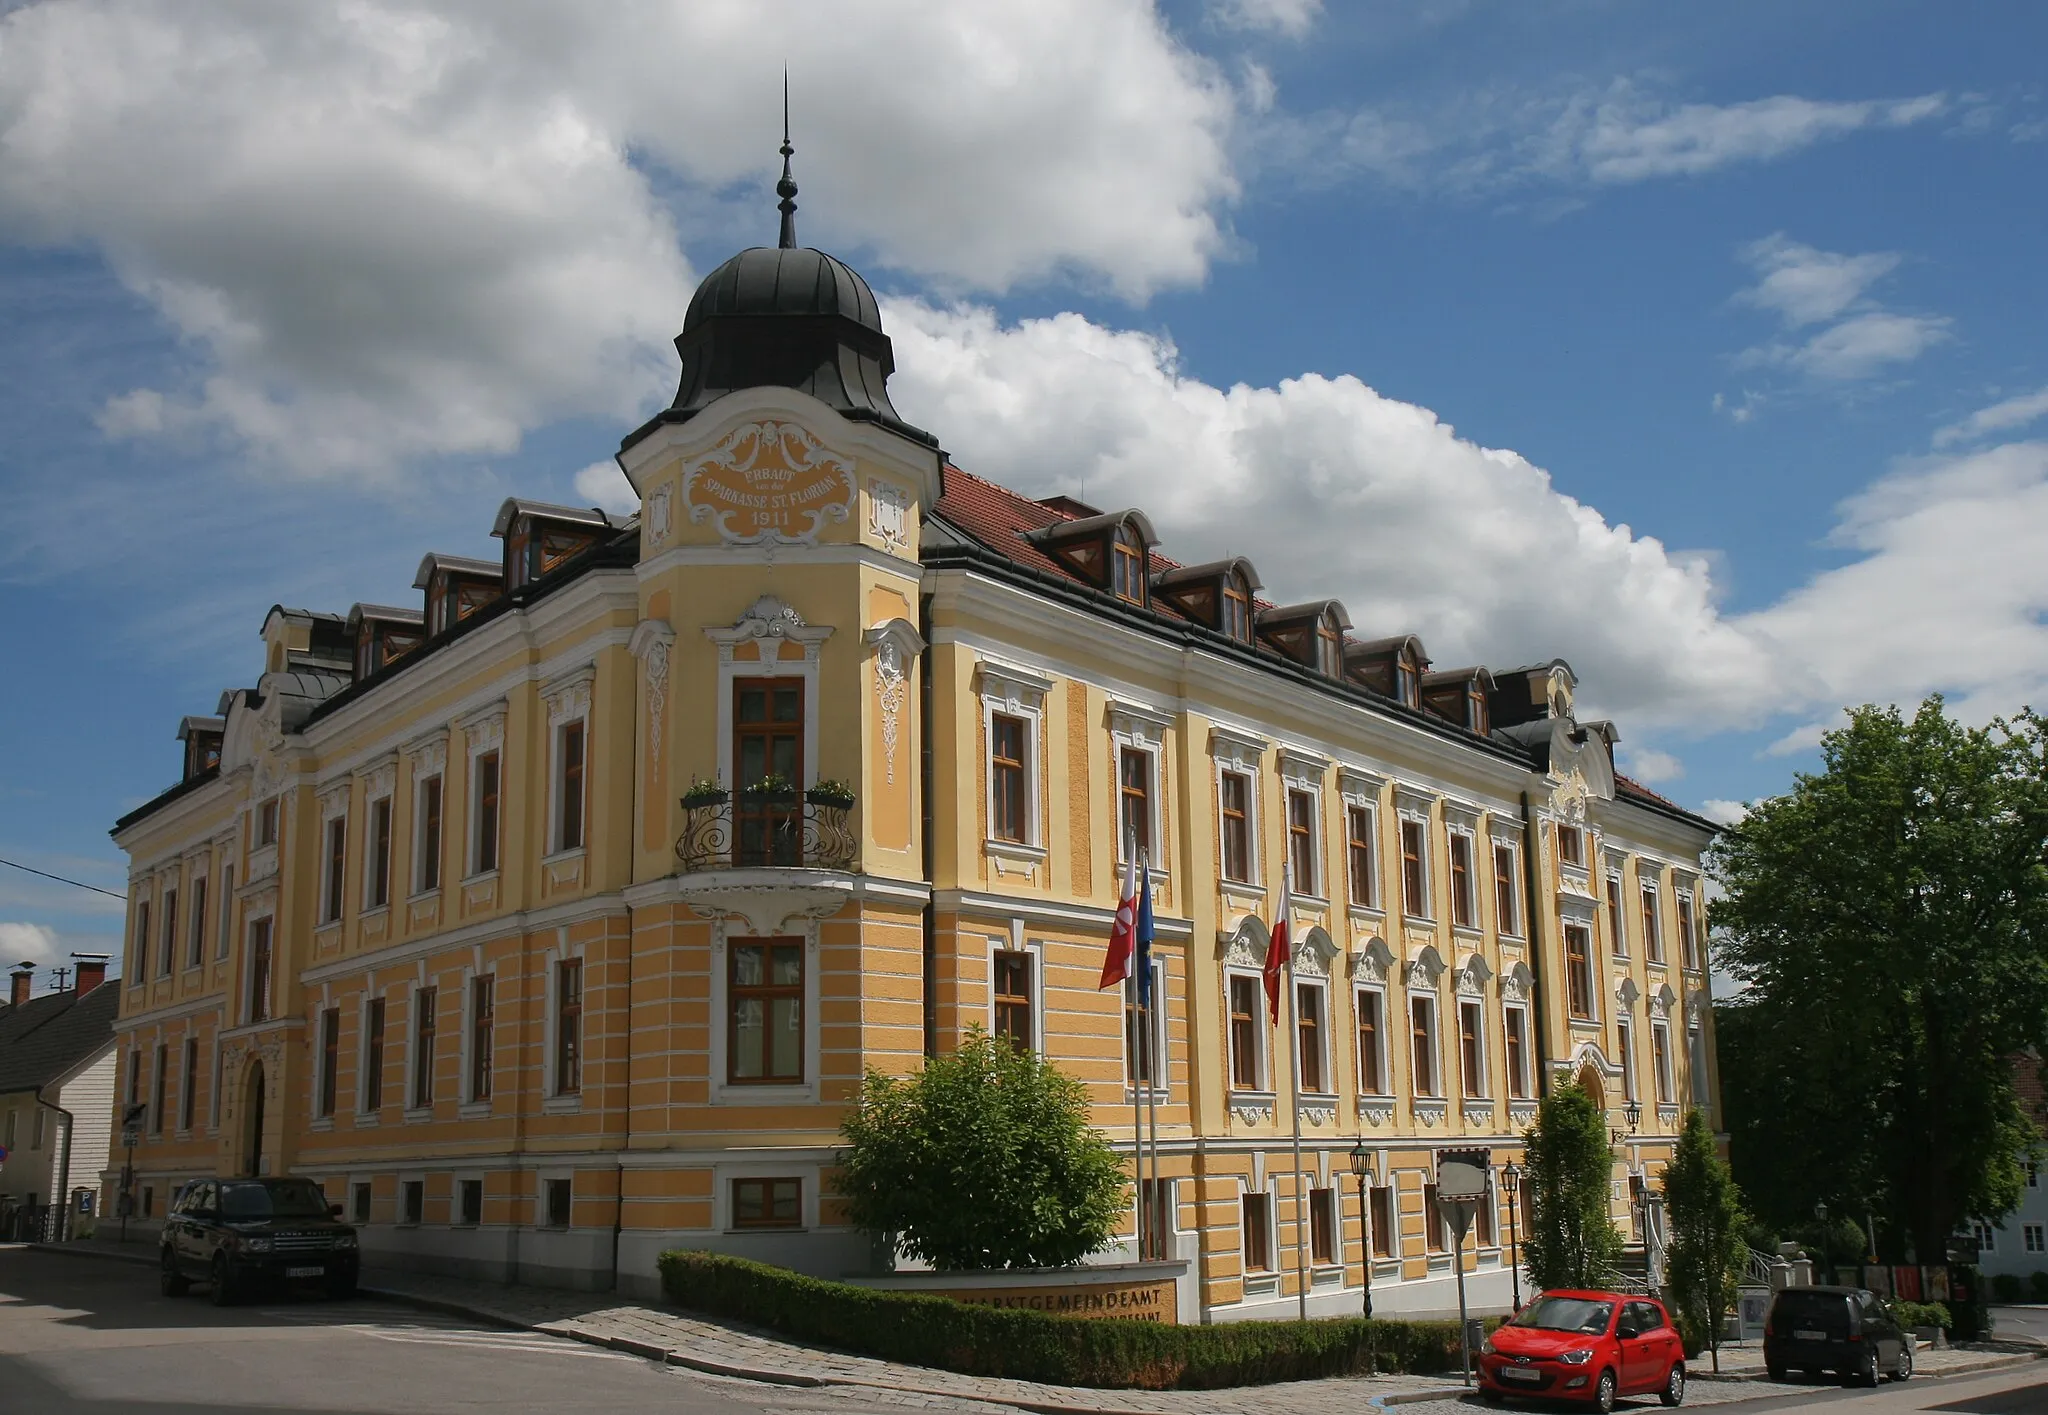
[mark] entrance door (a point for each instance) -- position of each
(768, 745)
(252, 1129)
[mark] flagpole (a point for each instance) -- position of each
(1154, 1043)
(1294, 1097)
(1137, 1090)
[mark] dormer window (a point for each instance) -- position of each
(1407, 682)
(1330, 646)
(1391, 667)
(1459, 695)
(1237, 607)
(1127, 565)
(1310, 634)
(456, 589)
(540, 537)
(1218, 594)
(1475, 710)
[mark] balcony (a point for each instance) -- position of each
(770, 855)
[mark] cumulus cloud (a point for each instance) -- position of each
(28, 943)
(1649, 765)
(1725, 813)
(603, 484)
(397, 228)
(1805, 286)
(1292, 18)
(1999, 417)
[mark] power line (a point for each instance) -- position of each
(80, 884)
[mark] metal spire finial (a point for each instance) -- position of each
(786, 188)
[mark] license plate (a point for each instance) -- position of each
(305, 1272)
(1520, 1373)
(1810, 1336)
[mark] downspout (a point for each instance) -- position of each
(925, 775)
(1532, 845)
(64, 1166)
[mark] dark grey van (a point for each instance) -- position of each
(1842, 1329)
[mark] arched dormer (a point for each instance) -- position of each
(1112, 551)
(456, 587)
(1221, 594)
(540, 537)
(1459, 695)
(1391, 667)
(381, 634)
(1311, 634)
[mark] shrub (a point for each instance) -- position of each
(1707, 1253)
(985, 1159)
(925, 1330)
(2039, 1283)
(1922, 1314)
(1571, 1241)
(2006, 1287)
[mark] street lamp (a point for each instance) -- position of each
(1827, 1249)
(1361, 1165)
(1511, 1183)
(1634, 1112)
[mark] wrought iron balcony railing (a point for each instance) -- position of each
(753, 829)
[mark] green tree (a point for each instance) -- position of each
(1569, 1171)
(1707, 1252)
(985, 1159)
(1888, 917)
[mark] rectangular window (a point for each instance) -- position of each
(1134, 797)
(1008, 742)
(766, 994)
(427, 835)
(1142, 1042)
(1625, 1044)
(1359, 855)
(767, 1203)
(1571, 845)
(1245, 1002)
(1482, 1223)
(1688, 935)
(484, 816)
(1617, 922)
(557, 1194)
(1301, 840)
(569, 783)
(1309, 1024)
(1653, 942)
(1433, 1226)
(412, 1201)
(1372, 1056)
(1660, 1058)
(1382, 1221)
(1415, 869)
(1422, 1045)
(227, 911)
(1472, 1048)
(195, 942)
(1258, 1233)
(1012, 1019)
(188, 1085)
(1578, 971)
(470, 1200)
(158, 1085)
(1237, 826)
(378, 866)
(41, 1130)
(138, 962)
(266, 824)
(1464, 906)
(359, 1203)
(168, 949)
(483, 1028)
(1322, 1226)
(569, 1027)
(373, 1056)
(330, 1057)
(1987, 1241)
(2036, 1242)
(1506, 892)
(768, 736)
(336, 869)
(424, 1023)
(1515, 1030)
(259, 970)
(134, 1077)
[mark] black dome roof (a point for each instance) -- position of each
(773, 280)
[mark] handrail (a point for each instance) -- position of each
(753, 831)
(1759, 1264)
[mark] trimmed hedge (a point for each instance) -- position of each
(1921, 1314)
(920, 1329)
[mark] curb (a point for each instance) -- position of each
(79, 1250)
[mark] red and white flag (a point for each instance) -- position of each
(1277, 948)
(1123, 934)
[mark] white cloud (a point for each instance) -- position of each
(1999, 417)
(1626, 136)
(1804, 286)
(1649, 765)
(392, 229)
(1858, 347)
(1725, 813)
(1292, 18)
(28, 943)
(603, 484)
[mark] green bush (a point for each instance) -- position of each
(2006, 1287)
(924, 1330)
(1922, 1314)
(2039, 1283)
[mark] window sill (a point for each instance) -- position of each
(480, 877)
(746, 1093)
(321, 1124)
(1241, 886)
(1252, 1107)
(1472, 931)
(1365, 913)
(367, 1120)
(767, 1228)
(1659, 964)
(1420, 921)
(1015, 850)
(562, 1105)
(1586, 1024)
(1261, 1284)
(474, 1110)
(373, 911)
(1157, 1094)
(424, 896)
(419, 1115)
(1316, 902)
(563, 857)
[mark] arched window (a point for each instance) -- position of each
(1407, 682)
(1127, 565)
(1237, 607)
(1329, 645)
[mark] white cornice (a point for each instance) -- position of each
(1046, 912)
(754, 556)
(519, 921)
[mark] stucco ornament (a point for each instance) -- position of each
(896, 643)
(889, 517)
(660, 514)
(771, 482)
(651, 642)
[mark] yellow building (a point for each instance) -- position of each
(553, 923)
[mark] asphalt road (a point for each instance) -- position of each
(84, 1336)
(2021, 1390)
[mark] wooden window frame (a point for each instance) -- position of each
(1361, 854)
(138, 969)
(1516, 1040)
(334, 869)
(1303, 831)
(1464, 898)
(159, 1089)
(330, 1063)
(1653, 935)
(188, 1088)
(1578, 972)
(1571, 845)
(1129, 565)
(1415, 892)
(224, 938)
(1425, 1044)
(1661, 1061)
(767, 993)
(1145, 1056)
(768, 1185)
(1136, 799)
(377, 854)
(428, 834)
(426, 1031)
(570, 816)
(266, 823)
(782, 842)
(1322, 1227)
(1688, 930)
(1248, 1049)
(1369, 1027)
(1009, 778)
(371, 1082)
(167, 948)
(1507, 889)
(1329, 646)
(1617, 917)
(483, 1035)
(1625, 1047)
(1311, 1038)
(262, 965)
(1234, 831)
(1472, 1069)
(1255, 1230)
(1007, 1007)
(195, 933)
(567, 999)
(1236, 608)
(1384, 1217)
(486, 774)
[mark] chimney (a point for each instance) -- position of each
(92, 971)
(20, 978)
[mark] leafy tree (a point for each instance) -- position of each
(985, 1159)
(1890, 916)
(1569, 1168)
(1707, 1253)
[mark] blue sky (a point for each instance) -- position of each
(1699, 346)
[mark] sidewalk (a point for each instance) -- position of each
(1745, 1361)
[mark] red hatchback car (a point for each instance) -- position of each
(1590, 1346)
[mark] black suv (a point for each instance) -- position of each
(1844, 1329)
(235, 1233)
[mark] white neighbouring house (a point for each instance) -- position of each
(57, 1071)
